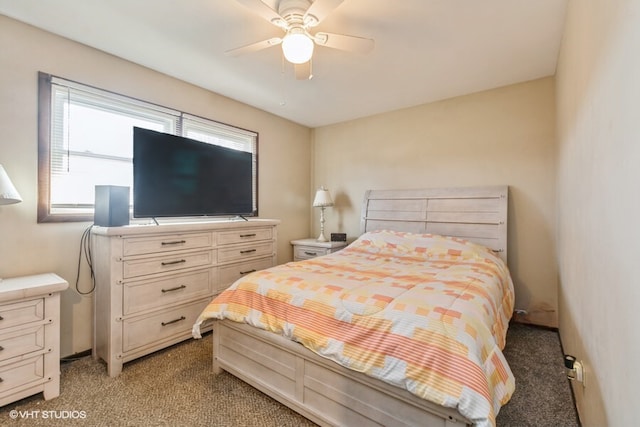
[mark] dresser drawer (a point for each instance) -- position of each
(166, 243)
(22, 372)
(308, 252)
(20, 313)
(232, 272)
(239, 252)
(166, 263)
(241, 236)
(146, 330)
(22, 341)
(166, 291)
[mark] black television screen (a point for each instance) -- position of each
(175, 176)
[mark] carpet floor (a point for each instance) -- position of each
(175, 387)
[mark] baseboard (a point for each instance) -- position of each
(75, 356)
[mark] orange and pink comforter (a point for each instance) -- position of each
(426, 313)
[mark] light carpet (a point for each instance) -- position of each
(176, 387)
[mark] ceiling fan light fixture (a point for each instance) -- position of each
(297, 47)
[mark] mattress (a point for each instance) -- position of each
(425, 313)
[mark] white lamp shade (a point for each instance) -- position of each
(8, 193)
(323, 198)
(297, 47)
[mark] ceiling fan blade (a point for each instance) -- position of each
(254, 47)
(303, 71)
(319, 10)
(342, 42)
(260, 8)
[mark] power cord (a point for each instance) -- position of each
(85, 248)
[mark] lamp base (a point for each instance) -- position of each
(322, 237)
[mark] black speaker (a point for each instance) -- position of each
(111, 206)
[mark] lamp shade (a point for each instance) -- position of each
(323, 198)
(297, 46)
(8, 193)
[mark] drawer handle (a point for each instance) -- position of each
(174, 242)
(311, 253)
(248, 251)
(247, 272)
(177, 288)
(248, 235)
(1, 318)
(1, 348)
(173, 321)
(180, 261)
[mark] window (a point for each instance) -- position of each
(85, 139)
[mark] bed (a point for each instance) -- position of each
(405, 326)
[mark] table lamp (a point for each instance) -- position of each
(322, 200)
(8, 193)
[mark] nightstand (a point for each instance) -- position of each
(30, 336)
(311, 248)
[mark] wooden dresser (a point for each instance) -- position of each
(152, 281)
(30, 336)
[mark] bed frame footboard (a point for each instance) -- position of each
(319, 389)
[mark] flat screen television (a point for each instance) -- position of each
(174, 176)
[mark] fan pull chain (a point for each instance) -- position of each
(283, 97)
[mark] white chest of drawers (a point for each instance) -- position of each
(30, 336)
(311, 248)
(152, 282)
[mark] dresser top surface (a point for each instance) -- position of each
(15, 288)
(178, 227)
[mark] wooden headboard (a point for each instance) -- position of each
(478, 214)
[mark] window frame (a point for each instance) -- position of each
(45, 81)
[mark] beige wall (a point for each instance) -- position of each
(502, 136)
(598, 98)
(28, 248)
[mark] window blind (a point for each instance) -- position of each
(91, 134)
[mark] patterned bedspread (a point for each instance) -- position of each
(426, 313)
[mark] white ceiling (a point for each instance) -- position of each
(425, 50)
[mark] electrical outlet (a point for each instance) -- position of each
(575, 369)
(580, 373)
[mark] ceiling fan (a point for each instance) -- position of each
(296, 18)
